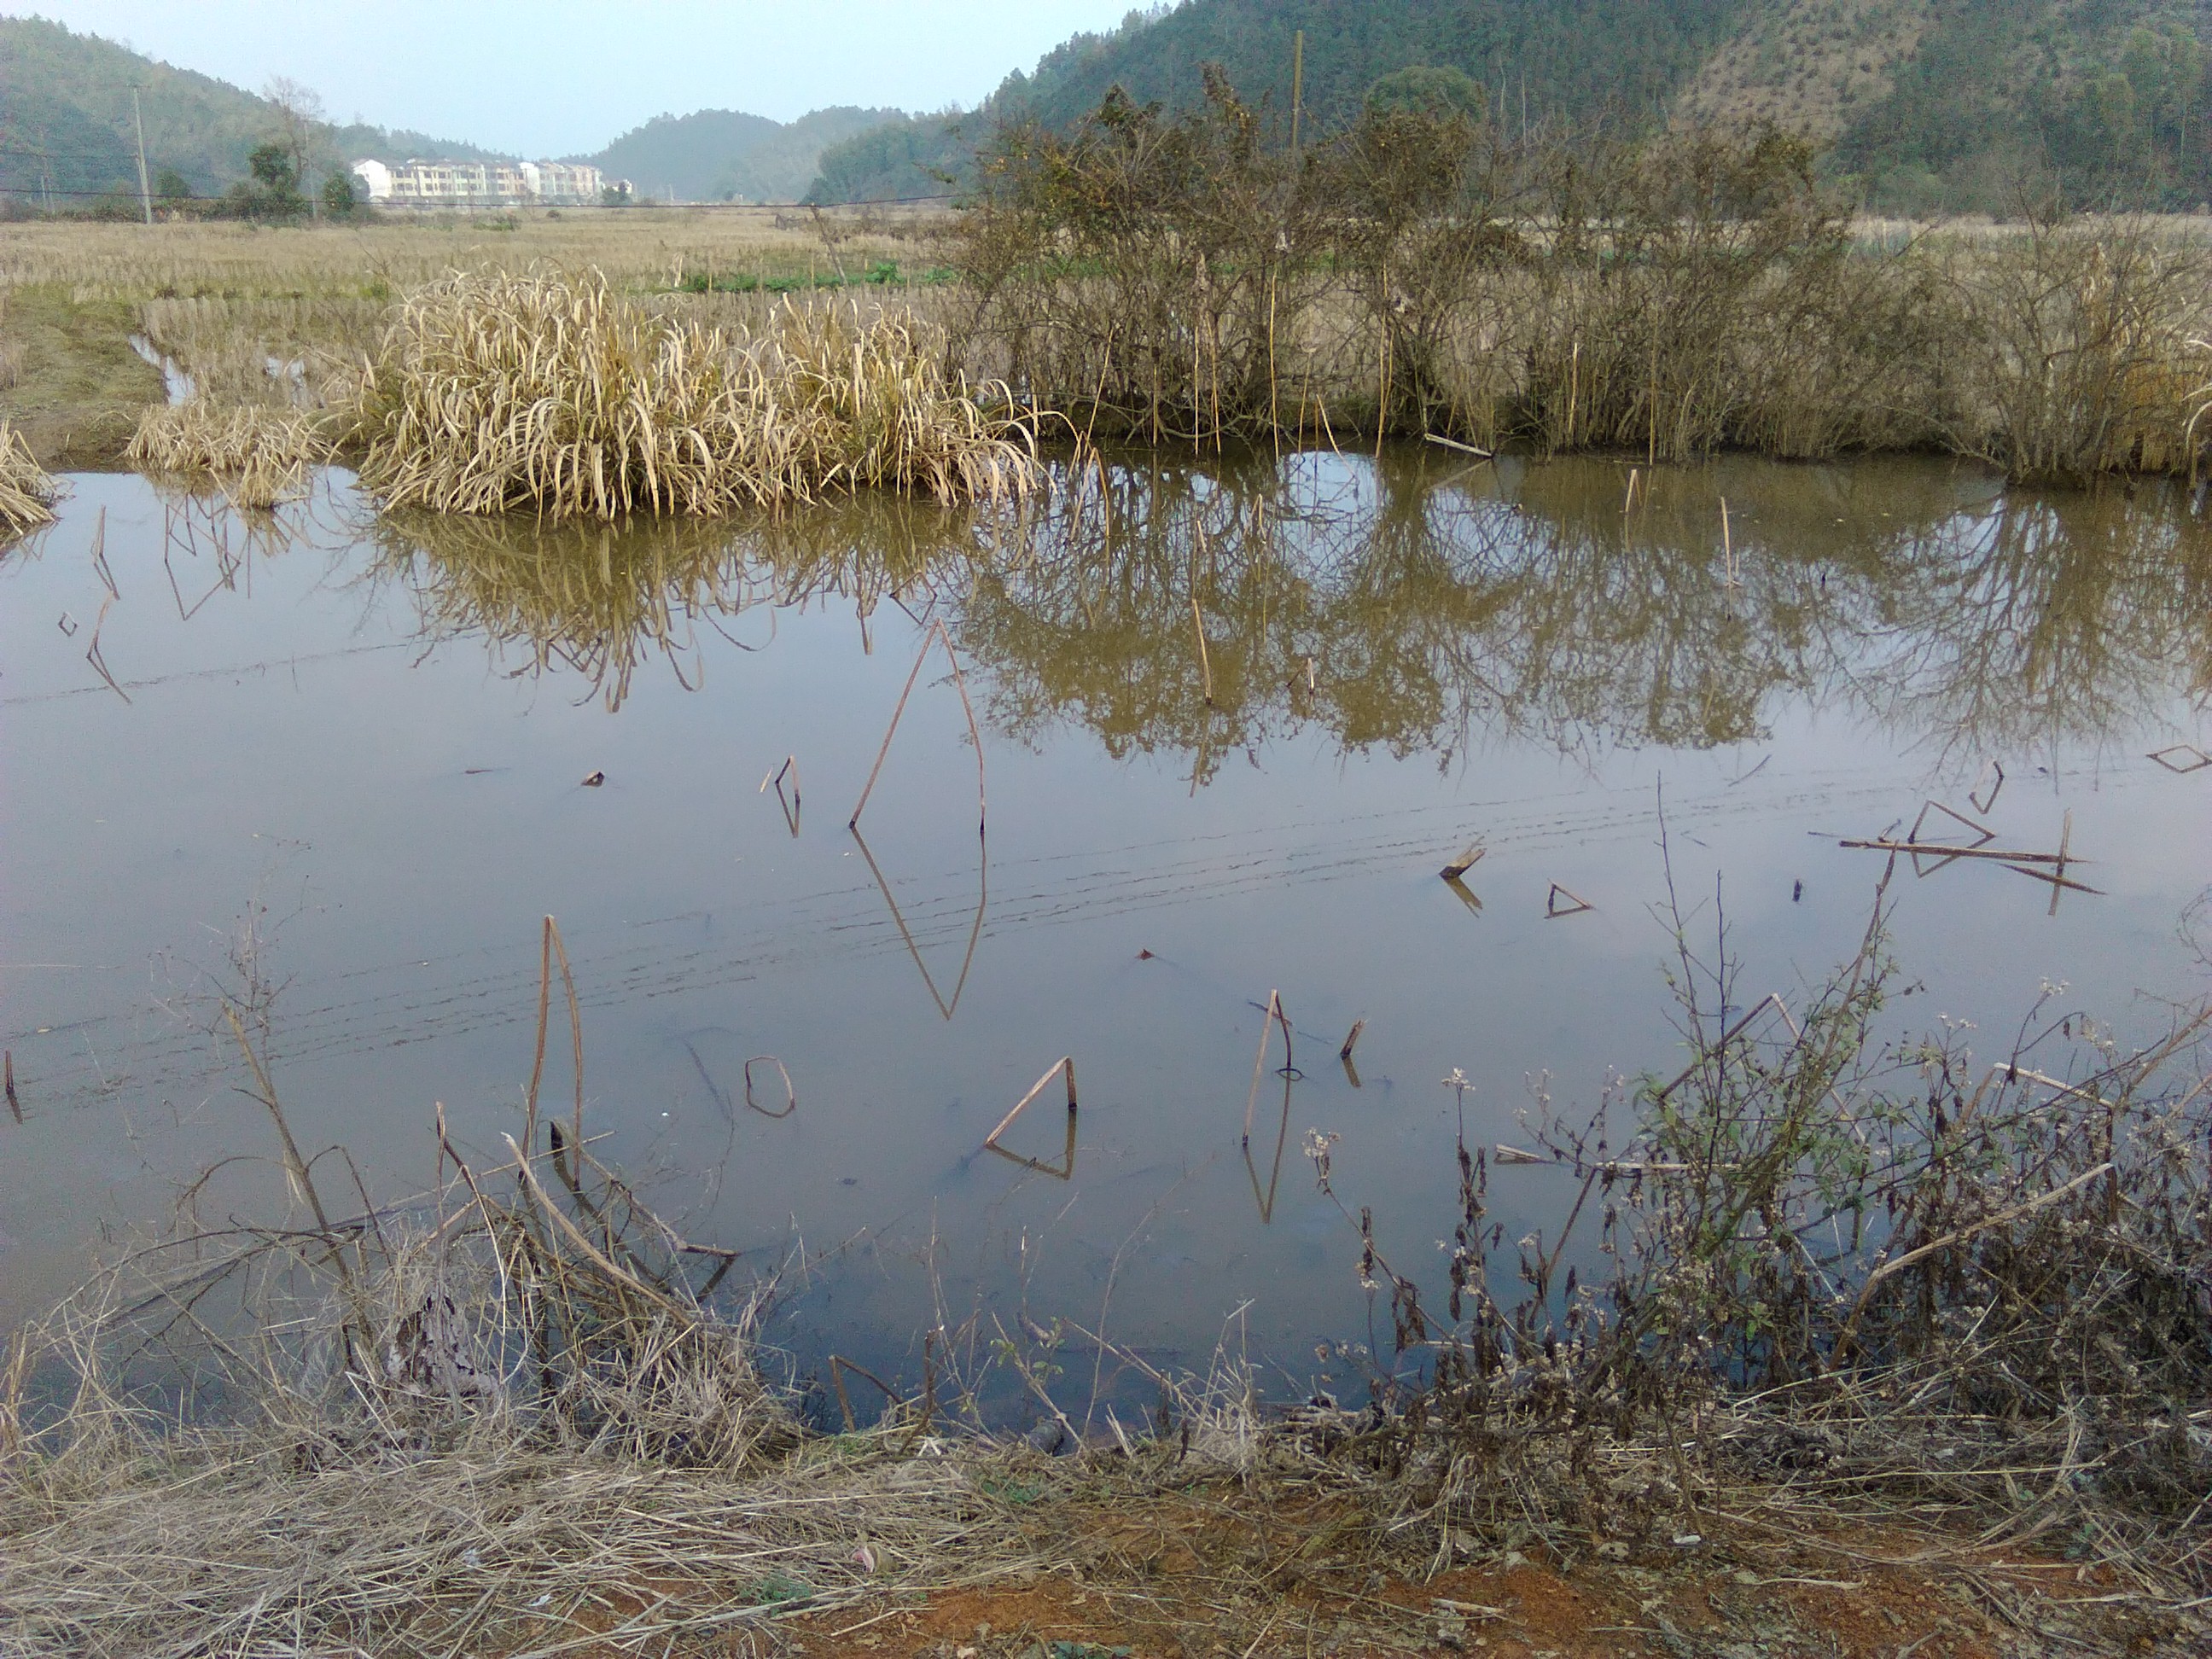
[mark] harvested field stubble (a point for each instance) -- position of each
(562, 396)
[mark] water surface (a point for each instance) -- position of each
(346, 754)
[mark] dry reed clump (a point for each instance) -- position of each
(560, 397)
(27, 489)
(260, 454)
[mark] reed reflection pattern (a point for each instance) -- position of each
(1412, 604)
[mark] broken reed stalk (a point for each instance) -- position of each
(898, 920)
(1205, 659)
(838, 1366)
(1466, 861)
(791, 807)
(1273, 1016)
(1352, 1041)
(1065, 1065)
(96, 657)
(550, 948)
(789, 769)
(296, 1172)
(92, 653)
(8, 1064)
(1575, 905)
(1453, 443)
(790, 1094)
(2057, 878)
(937, 631)
(1941, 849)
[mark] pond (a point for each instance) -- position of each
(1233, 714)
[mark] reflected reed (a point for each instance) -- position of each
(1416, 604)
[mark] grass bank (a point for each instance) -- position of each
(1896, 1320)
(1185, 281)
(70, 384)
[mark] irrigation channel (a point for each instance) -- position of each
(1234, 717)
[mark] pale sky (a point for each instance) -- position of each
(559, 77)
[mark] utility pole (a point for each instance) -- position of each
(145, 196)
(1297, 87)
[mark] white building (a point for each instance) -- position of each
(479, 184)
(375, 179)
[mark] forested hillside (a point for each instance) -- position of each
(1924, 104)
(720, 155)
(65, 122)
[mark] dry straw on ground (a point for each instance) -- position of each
(561, 397)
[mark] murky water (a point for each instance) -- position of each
(358, 748)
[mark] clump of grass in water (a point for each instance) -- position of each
(557, 395)
(27, 490)
(260, 454)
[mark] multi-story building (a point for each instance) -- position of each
(479, 184)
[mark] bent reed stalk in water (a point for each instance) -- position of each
(556, 395)
(27, 490)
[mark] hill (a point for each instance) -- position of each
(66, 124)
(1559, 59)
(718, 154)
(1926, 104)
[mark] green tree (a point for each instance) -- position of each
(1429, 89)
(273, 190)
(170, 185)
(338, 198)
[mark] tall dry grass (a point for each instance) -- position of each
(560, 396)
(26, 493)
(260, 455)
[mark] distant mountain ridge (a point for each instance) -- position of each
(720, 155)
(1927, 104)
(65, 122)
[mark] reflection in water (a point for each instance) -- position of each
(600, 600)
(946, 1006)
(1417, 606)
